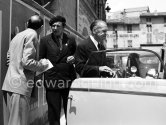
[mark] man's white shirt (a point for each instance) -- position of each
(94, 41)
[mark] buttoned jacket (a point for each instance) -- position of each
(50, 49)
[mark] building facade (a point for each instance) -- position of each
(79, 13)
(136, 26)
(153, 28)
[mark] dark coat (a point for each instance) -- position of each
(62, 71)
(87, 63)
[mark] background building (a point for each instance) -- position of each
(153, 28)
(135, 26)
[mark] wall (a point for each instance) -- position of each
(1, 99)
(85, 18)
(140, 34)
(79, 13)
(5, 27)
(66, 8)
(158, 30)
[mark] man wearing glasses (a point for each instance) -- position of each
(93, 65)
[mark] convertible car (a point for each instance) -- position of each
(135, 94)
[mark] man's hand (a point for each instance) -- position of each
(70, 59)
(44, 62)
(106, 69)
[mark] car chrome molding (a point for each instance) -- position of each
(118, 92)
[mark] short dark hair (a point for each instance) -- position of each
(35, 22)
(58, 19)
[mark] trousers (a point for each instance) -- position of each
(17, 109)
(54, 99)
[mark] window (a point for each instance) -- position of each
(129, 28)
(148, 20)
(115, 43)
(114, 28)
(130, 43)
(149, 27)
(115, 46)
(149, 38)
(164, 21)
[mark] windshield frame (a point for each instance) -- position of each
(135, 49)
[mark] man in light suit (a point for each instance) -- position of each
(88, 64)
(23, 64)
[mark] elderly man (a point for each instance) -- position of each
(88, 64)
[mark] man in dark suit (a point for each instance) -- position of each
(59, 48)
(89, 64)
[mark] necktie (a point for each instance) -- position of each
(99, 46)
(60, 43)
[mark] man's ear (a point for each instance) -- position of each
(94, 30)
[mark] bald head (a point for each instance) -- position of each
(35, 22)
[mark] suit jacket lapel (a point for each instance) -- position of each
(91, 45)
(65, 38)
(52, 41)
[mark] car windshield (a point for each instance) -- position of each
(128, 63)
